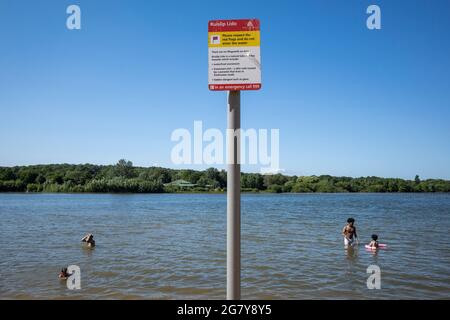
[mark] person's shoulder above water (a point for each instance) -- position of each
(374, 242)
(63, 275)
(89, 240)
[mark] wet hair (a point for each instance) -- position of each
(374, 237)
(350, 220)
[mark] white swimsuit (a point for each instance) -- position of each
(348, 242)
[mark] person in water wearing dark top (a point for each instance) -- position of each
(374, 243)
(349, 232)
(89, 239)
(64, 274)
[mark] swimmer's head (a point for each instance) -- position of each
(350, 220)
(374, 237)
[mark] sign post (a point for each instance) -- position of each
(234, 198)
(234, 65)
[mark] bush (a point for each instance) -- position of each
(34, 187)
(275, 188)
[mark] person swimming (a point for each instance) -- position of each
(63, 274)
(89, 239)
(349, 232)
(374, 243)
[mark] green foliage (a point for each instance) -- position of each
(417, 179)
(123, 185)
(275, 179)
(275, 188)
(252, 181)
(124, 177)
(124, 169)
(34, 187)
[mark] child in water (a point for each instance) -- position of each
(374, 243)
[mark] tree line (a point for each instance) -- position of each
(123, 177)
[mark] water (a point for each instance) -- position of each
(174, 246)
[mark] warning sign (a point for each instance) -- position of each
(234, 54)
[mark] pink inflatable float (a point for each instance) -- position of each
(380, 246)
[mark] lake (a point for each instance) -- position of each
(173, 246)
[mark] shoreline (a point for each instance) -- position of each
(126, 178)
(219, 193)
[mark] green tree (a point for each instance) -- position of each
(252, 181)
(275, 188)
(7, 174)
(124, 169)
(417, 179)
(28, 175)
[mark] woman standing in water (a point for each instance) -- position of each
(349, 232)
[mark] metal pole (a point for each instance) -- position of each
(234, 198)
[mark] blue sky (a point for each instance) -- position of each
(347, 100)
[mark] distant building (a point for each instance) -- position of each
(181, 184)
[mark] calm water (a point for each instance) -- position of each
(173, 246)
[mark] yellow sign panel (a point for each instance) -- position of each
(233, 39)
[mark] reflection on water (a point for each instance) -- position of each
(351, 253)
(374, 253)
(87, 251)
(173, 246)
